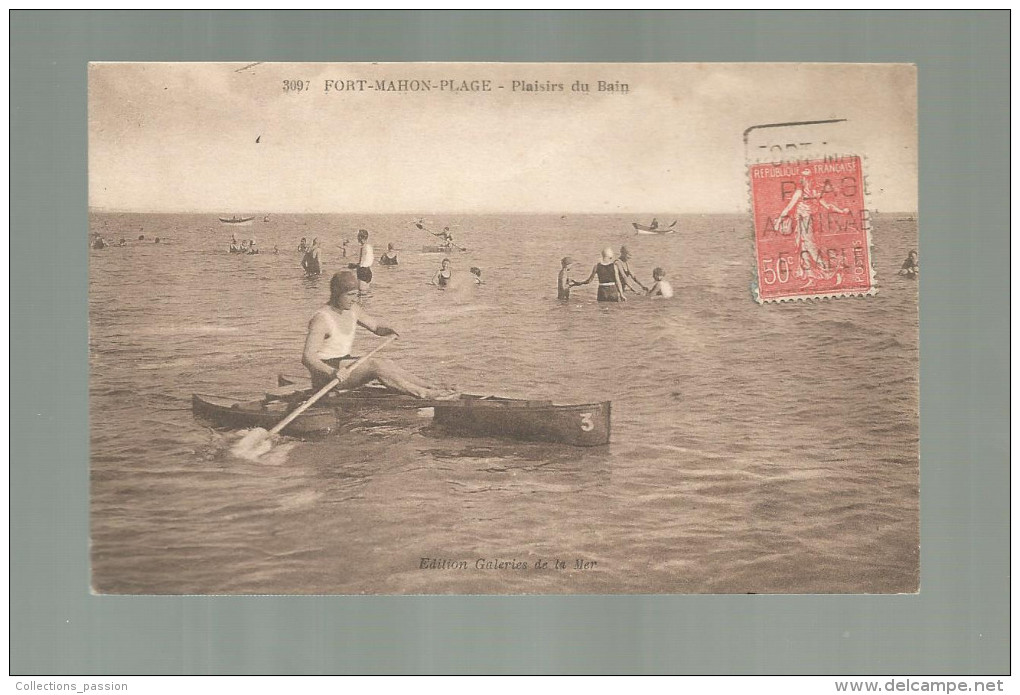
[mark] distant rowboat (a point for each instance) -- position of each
(236, 220)
(653, 229)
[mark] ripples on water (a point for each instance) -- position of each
(755, 449)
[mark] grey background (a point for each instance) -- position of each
(958, 624)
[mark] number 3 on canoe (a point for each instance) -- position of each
(586, 424)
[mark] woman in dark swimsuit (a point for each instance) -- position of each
(311, 260)
(610, 285)
(390, 257)
(443, 275)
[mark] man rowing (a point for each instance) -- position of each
(446, 236)
(331, 337)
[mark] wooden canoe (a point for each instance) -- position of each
(471, 415)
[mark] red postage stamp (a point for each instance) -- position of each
(811, 229)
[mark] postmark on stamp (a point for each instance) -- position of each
(812, 227)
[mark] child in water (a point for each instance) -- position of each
(563, 282)
(660, 288)
(477, 272)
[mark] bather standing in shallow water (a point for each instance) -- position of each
(390, 257)
(608, 274)
(443, 276)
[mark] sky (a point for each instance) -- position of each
(237, 138)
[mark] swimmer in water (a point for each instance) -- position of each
(311, 261)
(390, 257)
(563, 281)
(910, 268)
(364, 265)
(660, 288)
(443, 276)
(627, 277)
(608, 274)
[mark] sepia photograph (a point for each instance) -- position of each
(503, 328)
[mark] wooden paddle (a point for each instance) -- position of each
(258, 441)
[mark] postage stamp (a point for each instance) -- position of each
(811, 229)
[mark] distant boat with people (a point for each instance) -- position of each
(653, 228)
(236, 220)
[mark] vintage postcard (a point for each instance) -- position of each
(484, 328)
